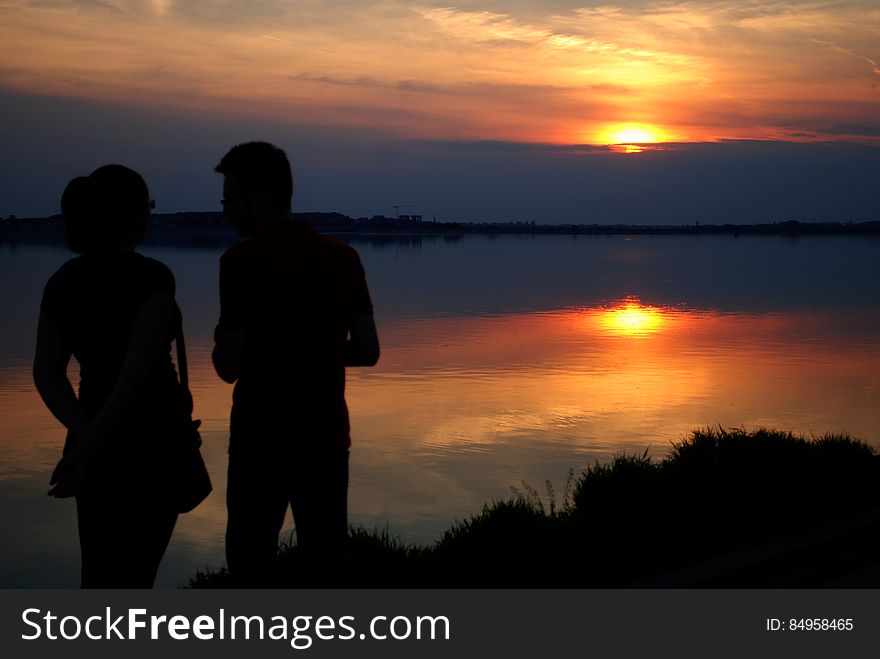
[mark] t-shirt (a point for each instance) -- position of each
(294, 293)
(94, 299)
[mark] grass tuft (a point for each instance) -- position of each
(716, 492)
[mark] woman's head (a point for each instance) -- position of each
(108, 209)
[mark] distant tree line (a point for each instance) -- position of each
(344, 223)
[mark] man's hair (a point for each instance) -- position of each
(260, 166)
(105, 210)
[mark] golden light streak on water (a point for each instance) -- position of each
(632, 318)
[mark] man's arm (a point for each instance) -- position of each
(228, 353)
(363, 344)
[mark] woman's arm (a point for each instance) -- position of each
(51, 358)
(148, 343)
(149, 340)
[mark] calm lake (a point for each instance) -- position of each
(504, 359)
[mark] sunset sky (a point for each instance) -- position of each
(470, 110)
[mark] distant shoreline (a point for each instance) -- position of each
(214, 221)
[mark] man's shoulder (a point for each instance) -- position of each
(237, 252)
(311, 241)
(290, 239)
(344, 250)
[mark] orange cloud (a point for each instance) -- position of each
(695, 71)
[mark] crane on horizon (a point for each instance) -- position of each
(397, 208)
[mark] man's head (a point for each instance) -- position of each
(257, 185)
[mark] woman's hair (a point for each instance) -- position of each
(105, 210)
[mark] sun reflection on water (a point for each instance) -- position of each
(632, 318)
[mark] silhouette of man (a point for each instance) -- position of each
(294, 312)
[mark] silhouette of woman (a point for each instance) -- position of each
(114, 311)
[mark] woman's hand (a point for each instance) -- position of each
(67, 477)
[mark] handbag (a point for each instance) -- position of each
(189, 480)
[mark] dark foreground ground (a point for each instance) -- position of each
(726, 509)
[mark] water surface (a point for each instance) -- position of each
(504, 360)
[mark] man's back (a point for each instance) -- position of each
(294, 294)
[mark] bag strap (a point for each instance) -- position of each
(182, 371)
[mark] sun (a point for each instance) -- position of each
(631, 138)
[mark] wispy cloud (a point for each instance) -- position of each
(875, 67)
(475, 69)
(293, 43)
